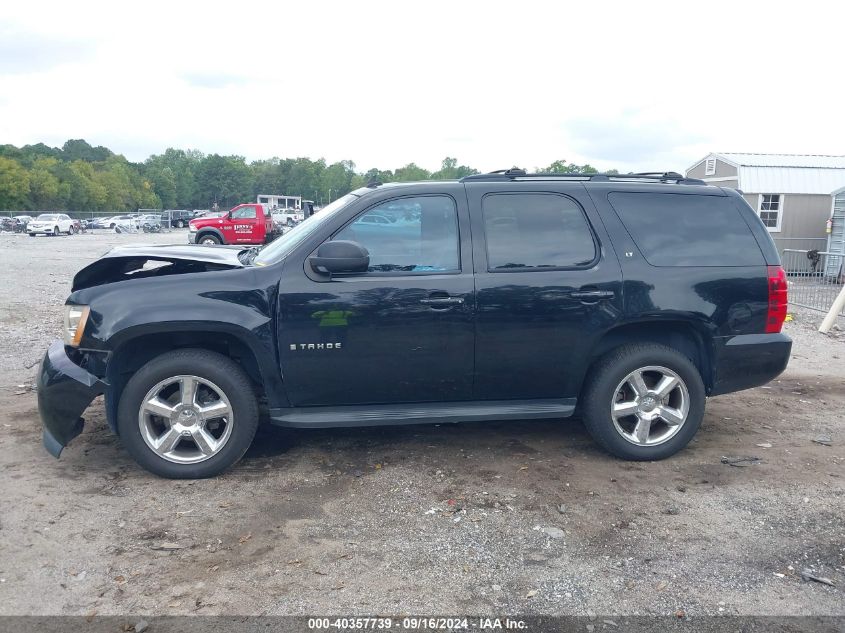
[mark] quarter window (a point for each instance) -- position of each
(535, 230)
(673, 229)
(770, 210)
(409, 235)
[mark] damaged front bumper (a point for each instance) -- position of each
(64, 391)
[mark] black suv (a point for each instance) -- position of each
(178, 218)
(504, 296)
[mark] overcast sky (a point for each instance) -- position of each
(635, 86)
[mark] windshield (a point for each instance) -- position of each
(48, 216)
(279, 248)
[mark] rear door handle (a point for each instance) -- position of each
(442, 302)
(592, 295)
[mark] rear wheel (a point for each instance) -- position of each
(643, 401)
(32, 234)
(209, 239)
(179, 224)
(188, 414)
(71, 230)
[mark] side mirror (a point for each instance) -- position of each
(340, 256)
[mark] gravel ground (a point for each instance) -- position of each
(525, 517)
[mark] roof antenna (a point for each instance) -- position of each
(373, 182)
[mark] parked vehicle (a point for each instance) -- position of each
(51, 224)
(23, 220)
(243, 224)
(629, 298)
(80, 226)
(177, 218)
(97, 223)
(16, 224)
(287, 217)
(151, 223)
(119, 220)
(209, 213)
(10, 225)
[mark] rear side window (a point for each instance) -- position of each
(535, 230)
(687, 230)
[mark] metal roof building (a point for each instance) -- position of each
(792, 193)
(781, 173)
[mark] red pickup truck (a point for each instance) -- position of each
(244, 224)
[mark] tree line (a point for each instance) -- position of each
(80, 177)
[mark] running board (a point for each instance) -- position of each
(422, 413)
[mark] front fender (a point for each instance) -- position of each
(236, 303)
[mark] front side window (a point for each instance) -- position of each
(535, 230)
(770, 210)
(244, 213)
(409, 235)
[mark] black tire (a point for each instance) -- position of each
(179, 224)
(208, 238)
(55, 231)
(599, 393)
(71, 230)
(32, 234)
(220, 370)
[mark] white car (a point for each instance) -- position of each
(50, 224)
(287, 217)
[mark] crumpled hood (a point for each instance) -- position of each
(143, 260)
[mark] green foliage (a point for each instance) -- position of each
(562, 167)
(80, 177)
(226, 180)
(14, 184)
(44, 185)
(450, 170)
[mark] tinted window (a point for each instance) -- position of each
(687, 230)
(244, 212)
(408, 234)
(536, 230)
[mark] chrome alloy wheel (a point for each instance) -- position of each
(650, 406)
(185, 419)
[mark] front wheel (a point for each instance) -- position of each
(643, 401)
(209, 240)
(188, 414)
(55, 231)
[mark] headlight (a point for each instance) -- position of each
(75, 319)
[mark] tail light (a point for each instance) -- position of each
(776, 313)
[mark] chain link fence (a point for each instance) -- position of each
(815, 277)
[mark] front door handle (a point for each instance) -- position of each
(442, 302)
(592, 295)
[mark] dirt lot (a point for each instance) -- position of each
(504, 517)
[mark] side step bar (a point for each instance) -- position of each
(422, 413)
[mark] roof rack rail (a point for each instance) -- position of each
(520, 174)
